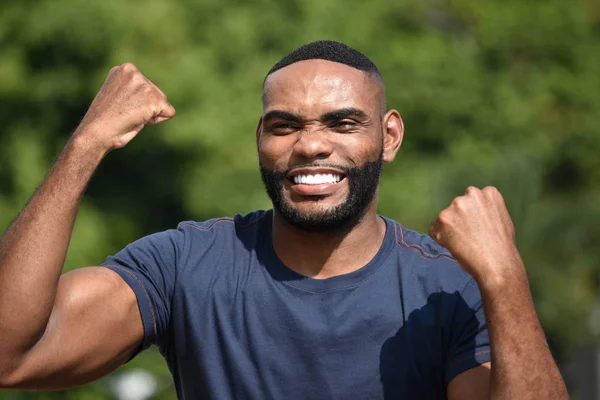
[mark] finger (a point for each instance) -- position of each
(494, 195)
(471, 190)
(435, 232)
(111, 75)
(154, 85)
(496, 199)
(129, 67)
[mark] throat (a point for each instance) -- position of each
(325, 255)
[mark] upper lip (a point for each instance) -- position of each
(313, 171)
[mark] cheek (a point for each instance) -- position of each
(274, 151)
(361, 151)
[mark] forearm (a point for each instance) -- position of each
(33, 250)
(522, 365)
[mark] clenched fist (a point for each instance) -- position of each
(479, 233)
(126, 103)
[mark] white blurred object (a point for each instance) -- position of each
(136, 384)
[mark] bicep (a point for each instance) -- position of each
(95, 327)
(473, 384)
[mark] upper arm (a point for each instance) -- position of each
(103, 315)
(95, 326)
(473, 384)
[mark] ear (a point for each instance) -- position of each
(258, 131)
(393, 131)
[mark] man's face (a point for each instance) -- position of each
(320, 143)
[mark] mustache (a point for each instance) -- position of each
(344, 169)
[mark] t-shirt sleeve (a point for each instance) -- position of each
(149, 267)
(469, 342)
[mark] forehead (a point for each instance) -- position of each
(317, 86)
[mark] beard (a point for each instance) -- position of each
(363, 182)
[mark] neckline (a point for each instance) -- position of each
(280, 272)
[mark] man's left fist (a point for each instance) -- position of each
(479, 233)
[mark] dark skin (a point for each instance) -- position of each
(40, 310)
(297, 129)
(316, 120)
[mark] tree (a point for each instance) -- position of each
(499, 93)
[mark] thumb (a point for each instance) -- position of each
(436, 233)
(166, 113)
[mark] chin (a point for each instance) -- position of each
(316, 205)
(320, 218)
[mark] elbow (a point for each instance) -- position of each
(8, 379)
(11, 376)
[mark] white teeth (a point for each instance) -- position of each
(317, 179)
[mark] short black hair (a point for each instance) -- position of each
(331, 51)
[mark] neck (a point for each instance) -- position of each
(326, 254)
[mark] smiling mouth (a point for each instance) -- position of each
(315, 175)
(316, 179)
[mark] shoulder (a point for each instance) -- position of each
(425, 260)
(218, 233)
(224, 225)
(423, 245)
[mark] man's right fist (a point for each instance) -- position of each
(126, 103)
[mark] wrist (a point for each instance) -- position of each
(84, 152)
(84, 142)
(508, 278)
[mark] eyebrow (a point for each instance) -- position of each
(284, 115)
(344, 113)
(335, 115)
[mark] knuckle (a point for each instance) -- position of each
(159, 95)
(444, 217)
(128, 67)
(471, 190)
(460, 202)
(163, 101)
(491, 190)
(138, 78)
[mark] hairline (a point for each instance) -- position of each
(370, 74)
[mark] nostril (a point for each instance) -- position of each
(313, 146)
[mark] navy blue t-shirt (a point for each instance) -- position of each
(233, 322)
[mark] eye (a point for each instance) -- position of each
(282, 128)
(344, 125)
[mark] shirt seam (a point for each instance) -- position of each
(226, 219)
(466, 358)
(403, 245)
(208, 228)
(139, 281)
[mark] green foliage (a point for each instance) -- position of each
(501, 93)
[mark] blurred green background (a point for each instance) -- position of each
(503, 93)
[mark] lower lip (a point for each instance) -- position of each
(315, 190)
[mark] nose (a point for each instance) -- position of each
(313, 144)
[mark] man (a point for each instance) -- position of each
(318, 298)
